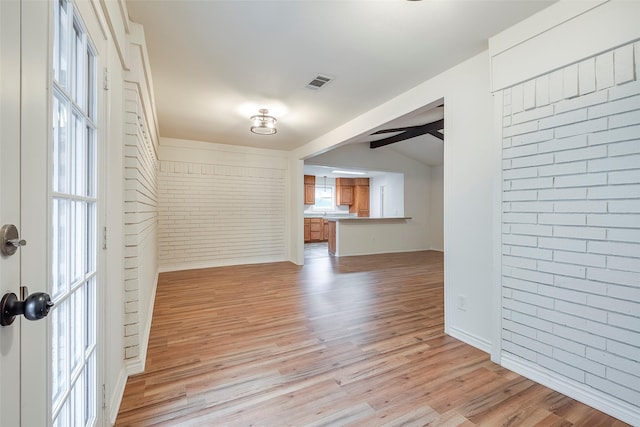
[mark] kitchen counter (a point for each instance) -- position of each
(365, 236)
(359, 218)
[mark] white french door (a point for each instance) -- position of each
(58, 188)
(73, 256)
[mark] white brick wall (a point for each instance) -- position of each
(571, 223)
(220, 214)
(140, 218)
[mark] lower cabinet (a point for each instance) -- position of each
(332, 237)
(315, 230)
(307, 230)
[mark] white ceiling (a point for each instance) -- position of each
(215, 63)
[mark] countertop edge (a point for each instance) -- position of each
(383, 219)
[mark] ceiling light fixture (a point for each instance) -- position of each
(262, 124)
(348, 172)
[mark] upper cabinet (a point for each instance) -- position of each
(344, 191)
(309, 190)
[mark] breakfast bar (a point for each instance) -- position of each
(365, 236)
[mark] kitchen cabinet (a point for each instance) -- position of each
(344, 191)
(309, 190)
(307, 230)
(325, 229)
(360, 205)
(332, 237)
(316, 229)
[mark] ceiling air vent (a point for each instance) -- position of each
(319, 81)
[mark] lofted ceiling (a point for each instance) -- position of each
(215, 63)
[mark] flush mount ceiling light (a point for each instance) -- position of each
(262, 124)
(348, 172)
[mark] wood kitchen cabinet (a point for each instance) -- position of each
(309, 190)
(325, 230)
(344, 191)
(316, 229)
(307, 230)
(360, 205)
(332, 237)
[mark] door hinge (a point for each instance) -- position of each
(105, 80)
(104, 396)
(104, 237)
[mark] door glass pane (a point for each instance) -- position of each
(59, 352)
(60, 247)
(91, 85)
(90, 252)
(62, 420)
(78, 325)
(79, 241)
(78, 58)
(78, 397)
(90, 321)
(79, 155)
(61, 153)
(90, 162)
(60, 43)
(73, 223)
(90, 381)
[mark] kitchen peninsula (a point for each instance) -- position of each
(366, 236)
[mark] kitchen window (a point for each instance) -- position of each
(325, 200)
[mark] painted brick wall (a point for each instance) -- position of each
(141, 226)
(220, 214)
(571, 224)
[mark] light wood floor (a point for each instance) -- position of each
(349, 341)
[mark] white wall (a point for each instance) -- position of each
(141, 228)
(468, 200)
(571, 195)
(436, 208)
(221, 205)
(115, 370)
(393, 184)
(469, 162)
(128, 300)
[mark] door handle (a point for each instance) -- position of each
(10, 240)
(34, 307)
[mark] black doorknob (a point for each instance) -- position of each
(34, 307)
(37, 306)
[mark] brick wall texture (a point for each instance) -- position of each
(140, 216)
(220, 214)
(571, 223)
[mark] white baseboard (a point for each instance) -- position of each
(379, 252)
(116, 397)
(220, 263)
(581, 392)
(137, 364)
(472, 340)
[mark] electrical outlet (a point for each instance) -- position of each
(462, 303)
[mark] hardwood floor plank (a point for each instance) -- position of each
(355, 341)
